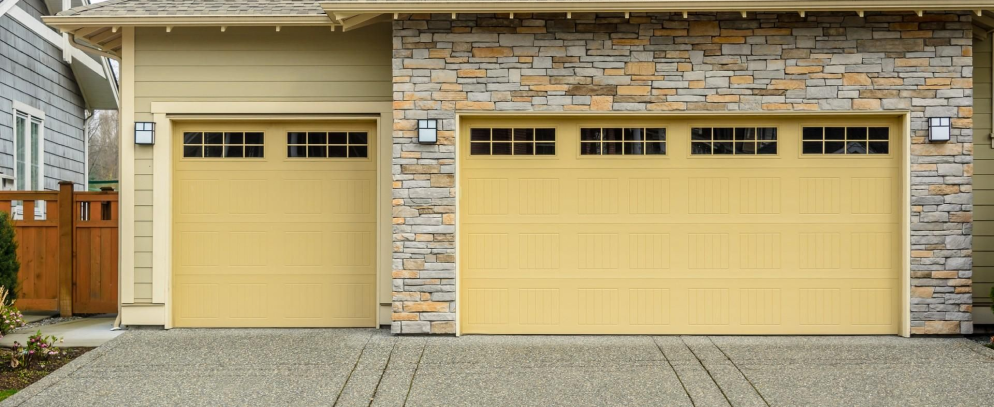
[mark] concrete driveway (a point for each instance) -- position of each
(370, 367)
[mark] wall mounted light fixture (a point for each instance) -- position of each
(938, 129)
(144, 133)
(428, 131)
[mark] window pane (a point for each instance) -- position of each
(317, 151)
(634, 134)
(501, 134)
(193, 138)
(700, 134)
(213, 138)
(813, 133)
(234, 138)
(479, 149)
(743, 133)
(655, 148)
(255, 152)
(524, 134)
(835, 133)
(231, 151)
(21, 136)
(501, 149)
(590, 148)
(879, 147)
(879, 133)
(338, 151)
(253, 138)
(479, 134)
(317, 138)
(745, 148)
(856, 147)
(590, 134)
(834, 147)
(38, 154)
(614, 148)
(358, 138)
(296, 138)
(766, 133)
(338, 138)
(813, 147)
(723, 133)
(358, 151)
(524, 148)
(655, 134)
(545, 134)
(213, 151)
(634, 149)
(700, 148)
(296, 151)
(545, 149)
(193, 151)
(856, 133)
(766, 148)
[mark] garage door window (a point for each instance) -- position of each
(846, 140)
(622, 141)
(342, 144)
(733, 141)
(512, 141)
(216, 144)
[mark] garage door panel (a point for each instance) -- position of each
(785, 244)
(273, 241)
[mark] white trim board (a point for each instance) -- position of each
(6, 5)
(51, 36)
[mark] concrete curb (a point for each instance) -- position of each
(63, 372)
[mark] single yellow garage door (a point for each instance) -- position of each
(274, 224)
(689, 226)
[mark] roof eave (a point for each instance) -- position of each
(70, 23)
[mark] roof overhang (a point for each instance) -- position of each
(578, 6)
(102, 34)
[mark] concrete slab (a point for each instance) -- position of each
(86, 332)
(356, 367)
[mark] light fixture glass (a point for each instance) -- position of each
(144, 133)
(428, 131)
(938, 129)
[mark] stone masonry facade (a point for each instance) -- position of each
(663, 62)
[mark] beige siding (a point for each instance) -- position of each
(257, 64)
(983, 181)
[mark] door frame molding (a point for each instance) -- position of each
(165, 113)
(903, 115)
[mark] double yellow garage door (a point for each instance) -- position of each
(274, 224)
(696, 226)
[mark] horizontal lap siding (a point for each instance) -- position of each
(983, 181)
(32, 72)
(297, 64)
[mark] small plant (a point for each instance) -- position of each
(10, 317)
(9, 265)
(39, 348)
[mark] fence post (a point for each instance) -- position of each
(66, 206)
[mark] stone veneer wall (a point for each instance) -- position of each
(662, 62)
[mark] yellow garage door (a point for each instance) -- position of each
(691, 226)
(274, 224)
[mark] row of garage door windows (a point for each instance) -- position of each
(542, 141)
(704, 141)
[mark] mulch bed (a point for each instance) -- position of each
(17, 379)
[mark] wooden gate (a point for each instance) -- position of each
(68, 249)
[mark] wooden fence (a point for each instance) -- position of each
(68, 249)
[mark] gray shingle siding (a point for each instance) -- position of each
(32, 72)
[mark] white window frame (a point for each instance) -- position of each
(37, 151)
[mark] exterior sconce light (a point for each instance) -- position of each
(938, 129)
(428, 131)
(144, 133)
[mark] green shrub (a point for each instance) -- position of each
(38, 348)
(9, 266)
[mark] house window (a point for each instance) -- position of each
(29, 149)
(512, 141)
(335, 144)
(223, 144)
(733, 141)
(622, 141)
(846, 140)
